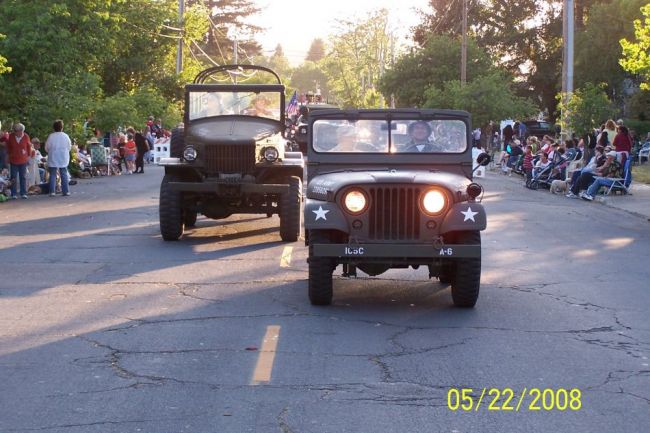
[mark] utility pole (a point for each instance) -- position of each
(568, 23)
(235, 56)
(392, 64)
(179, 51)
(463, 54)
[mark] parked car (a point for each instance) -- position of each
(539, 128)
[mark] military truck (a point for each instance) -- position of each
(393, 189)
(230, 155)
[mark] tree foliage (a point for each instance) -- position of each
(356, 59)
(309, 76)
(316, 50)
(67, 56)
(431, 66)
(523, 36)
(597, 48)
(639, 105)
(587, 108)
(228, 19)
(487, 97)
(636, 57)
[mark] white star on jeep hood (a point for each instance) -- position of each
(469, 214)
(320, 213)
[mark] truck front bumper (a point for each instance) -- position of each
(213, 187)
(393, 251)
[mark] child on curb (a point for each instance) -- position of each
(528, 163)
(130, 151)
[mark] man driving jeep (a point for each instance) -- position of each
(419, 131)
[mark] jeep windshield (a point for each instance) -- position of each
(394, 136)
(210, 104)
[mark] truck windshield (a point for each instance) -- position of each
(208, 104)
(396, 136)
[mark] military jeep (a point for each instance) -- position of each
(231, 156)
(393, 189)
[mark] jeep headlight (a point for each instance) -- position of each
(270, 154)
(189, 154)
(355, 201)
(433, 201)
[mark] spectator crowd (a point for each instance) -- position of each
(28, 167)
(577, 167)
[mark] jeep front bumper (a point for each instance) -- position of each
(392, 251)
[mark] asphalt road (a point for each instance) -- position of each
(106, 328)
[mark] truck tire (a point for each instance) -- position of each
(170, 211)
(189, 217)
(177, 143)
(466, 278)
(290, 211)
(320, 271)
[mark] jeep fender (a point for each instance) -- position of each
(324, 215)
(463, 217)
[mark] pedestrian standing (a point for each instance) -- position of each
(130, 152)
(622, 144)
(142, 148)
(58, 146)
(19, 148)
(35, 177)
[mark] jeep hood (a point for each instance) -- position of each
(231, 130)
(326, 186)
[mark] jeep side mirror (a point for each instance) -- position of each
(483, 159)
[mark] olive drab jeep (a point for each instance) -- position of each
(393, 189)
(230, 156)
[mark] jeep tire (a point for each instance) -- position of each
(320, 271)
(290, 211)
(177, 143)
(466, 278)
(170, 210)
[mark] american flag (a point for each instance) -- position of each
(292, 108)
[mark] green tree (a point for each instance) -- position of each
(67, 55)
(639, 105)
(436, 63)
(635, 54)
(3, 60)
(228, 18)
(279, 62)
(586, 108)
(316, 51)
(597, 48)
(356, 60)
(523, 36)
(308, 77)
(488, 97)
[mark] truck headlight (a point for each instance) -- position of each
(189, 154)
(433, 201)
(355, 201)
(270, 154)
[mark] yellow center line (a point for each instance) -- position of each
(264, 367)
(285, 259)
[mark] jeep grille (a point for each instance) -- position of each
(394, 213)
(230, 158)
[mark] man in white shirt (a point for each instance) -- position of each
(58, 147)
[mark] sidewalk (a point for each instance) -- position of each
(636, 203)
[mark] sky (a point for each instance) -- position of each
(295, 23)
